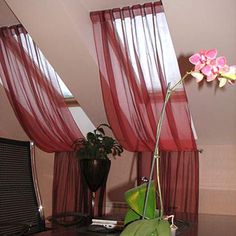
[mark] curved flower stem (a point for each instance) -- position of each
(156, 152)
(156, 156)
(180, 81)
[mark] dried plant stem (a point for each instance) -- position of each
(156, 156)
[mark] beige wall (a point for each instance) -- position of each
(196, 25)
(218, 179)
(9, 126)
(44, 166)
(122, 176)
(6, 16)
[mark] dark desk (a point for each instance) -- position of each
(73, 231)
(209, 225)
(203, 225)
(216, 225)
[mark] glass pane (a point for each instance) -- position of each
(47, 68)
(65, 91)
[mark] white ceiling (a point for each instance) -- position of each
(194, 25)
(92, 5)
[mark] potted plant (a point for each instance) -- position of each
(93, 152)
(97, 145)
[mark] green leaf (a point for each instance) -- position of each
(103, 124)
(131, 216)
(163, 229)
(152, 227)
(101, 130)
(135, 199)
(90, 136)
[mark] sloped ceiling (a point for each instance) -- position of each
(63, 31)
(6, 16)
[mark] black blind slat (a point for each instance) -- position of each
(18, 202)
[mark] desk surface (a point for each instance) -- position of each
(73, 231)
(203, 225)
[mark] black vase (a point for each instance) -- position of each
(95, 172)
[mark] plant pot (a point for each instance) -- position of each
(95, 172)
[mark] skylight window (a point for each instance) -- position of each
(144, 44)
(41, 61)
(145, 48)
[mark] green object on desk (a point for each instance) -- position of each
(152, 227)
(135, 200)
(152, 224)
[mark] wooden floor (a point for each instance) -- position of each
(203, 225)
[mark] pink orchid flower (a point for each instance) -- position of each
(206, 65)
(214, 68)
(202, 59)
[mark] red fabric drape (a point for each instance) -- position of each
(66, 190)
(134, 79)
(180, 176)
(34, 93)
(136, 61)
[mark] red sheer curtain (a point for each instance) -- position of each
(69, 189)
(34, 93)
(136, 62)
(179, 174)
